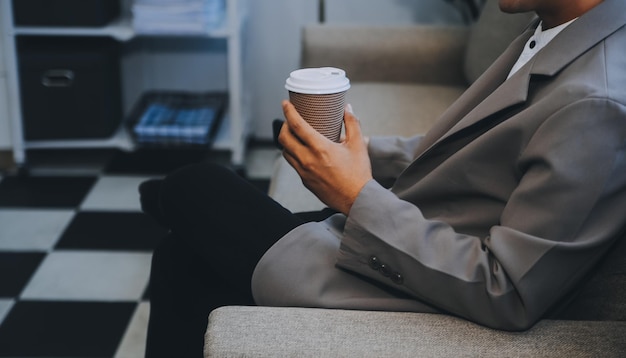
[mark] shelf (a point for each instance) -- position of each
(120, 29)
(123, 140)
(223, 137)
(234, 126)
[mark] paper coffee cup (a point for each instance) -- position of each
(319, 95)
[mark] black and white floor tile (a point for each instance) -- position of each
(75, 252)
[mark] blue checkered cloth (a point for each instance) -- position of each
(160, 124)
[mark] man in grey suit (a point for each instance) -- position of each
(498, 211)
(495, 215)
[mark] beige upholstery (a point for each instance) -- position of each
(398, 86)
(317, 333)
(386, 108)
(409, 54)
(287, 189)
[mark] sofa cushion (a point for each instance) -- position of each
(287, 189)
(309, 332)
(399, 108)
(421, 53)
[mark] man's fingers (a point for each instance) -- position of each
(288, 140)
(293, 161)
(353, 125)
(298, 126)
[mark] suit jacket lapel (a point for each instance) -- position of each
(468, 109)
(491, 93)
(455, 117)
(584, 33)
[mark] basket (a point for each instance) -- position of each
(176, 118)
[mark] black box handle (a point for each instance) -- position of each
(57, 78)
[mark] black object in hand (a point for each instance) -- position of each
(277, 124)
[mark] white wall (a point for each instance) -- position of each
(273, 49)
(5, 130)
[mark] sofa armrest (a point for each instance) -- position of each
(308, 332)
(417, 53)
(287, 189)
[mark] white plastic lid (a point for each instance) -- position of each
(322, 80)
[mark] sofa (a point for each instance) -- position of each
(403, 78)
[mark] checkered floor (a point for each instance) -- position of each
(75, 253)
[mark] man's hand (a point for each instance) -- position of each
(334, 172)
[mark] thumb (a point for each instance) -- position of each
(352, 124)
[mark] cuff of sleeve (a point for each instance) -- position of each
(370, 211)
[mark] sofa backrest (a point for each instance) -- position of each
(414, 53)
(401, 54)
(489, 37)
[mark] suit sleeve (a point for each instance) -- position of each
(390, 155)
(558, 222)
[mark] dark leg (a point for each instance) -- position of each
(182, 294)
(221, 226)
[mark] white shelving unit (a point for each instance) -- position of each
(234, 129)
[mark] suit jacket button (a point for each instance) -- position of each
(385, 270)
(374, 263)
(397, 278)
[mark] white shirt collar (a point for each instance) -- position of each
(535, 43)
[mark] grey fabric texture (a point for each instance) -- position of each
(304, 332)
(287, 189)
(601, 298)
(429, 54)
(421, 53)
(391, 108)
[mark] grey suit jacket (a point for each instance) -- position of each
(499, 211)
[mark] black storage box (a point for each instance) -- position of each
(87, 13)
(70, 87)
